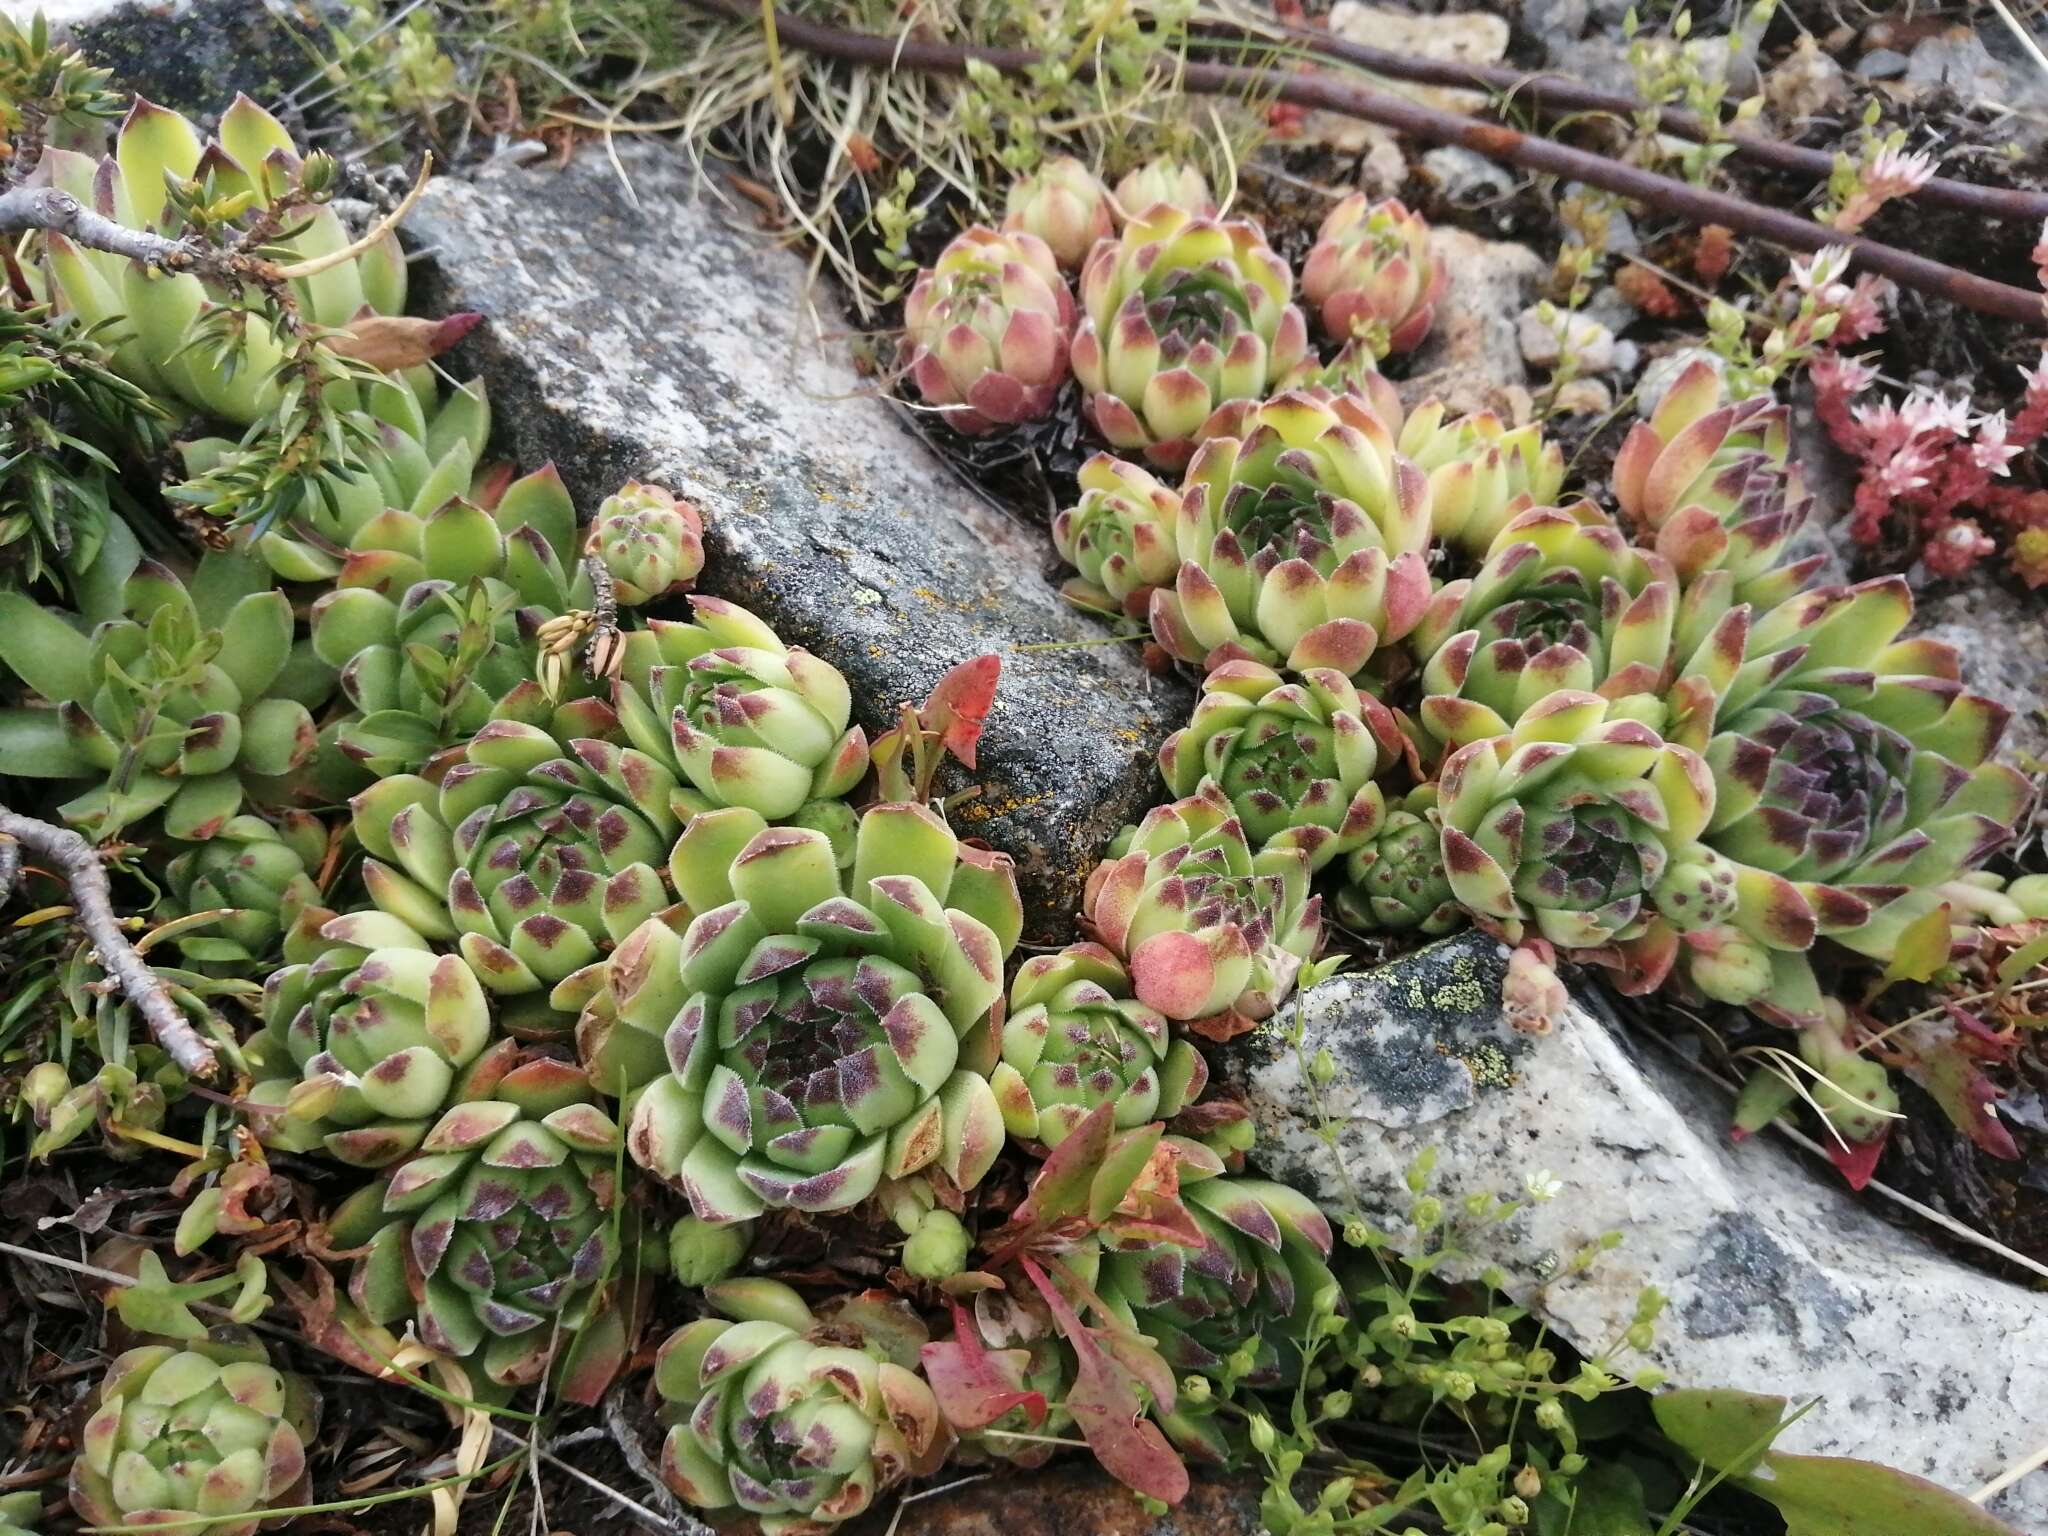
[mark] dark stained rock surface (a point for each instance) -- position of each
(1070, 1499)
(658, 334)
(195, 55)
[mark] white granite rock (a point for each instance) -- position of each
(1778, 1280)
(1545, 338)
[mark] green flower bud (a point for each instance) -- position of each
(938, 1248)
(1263, 1436)
(1550, 1414)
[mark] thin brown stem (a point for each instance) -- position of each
(92, 899)
(1556, 93)
(1697, 205)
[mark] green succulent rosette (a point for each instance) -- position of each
(1396, 881)
(260, 872)
(651, 544)
(1181, 315)
(209, 1429)
(1301, 540)
(434, 622)
(1706, 481)
(1119, 536)
(1853, 777)
(1207, 929)
(1371, 277)
(1295, 756)
(192, 704)
(986, 330)
(533, 855)
(1483, 474)
(1075, 1038)
(798, 1420)
(1164, 179)
(741, 718)
(495, 1237)
(837, 1019)
(1064, 205)
(1559, 604)
(1565, 826)
(368, 1031)
(157, 314)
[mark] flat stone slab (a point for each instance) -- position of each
(1777, 1281)
(658, 335)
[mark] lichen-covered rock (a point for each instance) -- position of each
(193, 55)
(679, 349)
(1777, 1281)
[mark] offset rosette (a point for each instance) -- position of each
(1076, 1038)
(1557, 605)
(1063, 204)
(378, 1026)
(744, 719)
(1565, 826)
(831, 1020)
(986, 330)
(1206, 927)
(208, 1430)
(1119, 536)
(1396, 881)
(649, 542)
(1707, 480)
(494, 1238)
(1296, 757)
(1483, 474)
(1852, 778)
(1176, 183)
(1181, 315)
(259, 871)
(798, 1420)
(1371, 276)
(533, 854)
(1301, 541)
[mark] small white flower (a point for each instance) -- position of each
(1542, 1185)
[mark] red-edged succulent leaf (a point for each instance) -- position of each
(1104, 1404)
(958, 707)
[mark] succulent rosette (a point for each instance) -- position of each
(833, 1020)
(1295, 756)
(20, 1513)
(259, 872)
(434, 617)
(1249, 1284)
(1396, 880)
(1119, 536)
(495, 1236)
(1075, 1038)
(1371, 276)
(1064, 205)
(1181, 315)
(1852, 771)
(192, 703)
(377, 1028)
(796, 1419)
(743, 719)
(1706, 480)
(1206, 927)
(986, 330)
(1565, 825)
(157, 314)
(1559, 604)
(650, 543)
(1301, 541)
(1165, 179)
(1483, 474)
(210, 1429)
(533, 855)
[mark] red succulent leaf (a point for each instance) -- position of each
(972, 1392)
(1968, 1096)
(958, 707)
(1104, 1404)
(1857, 1160)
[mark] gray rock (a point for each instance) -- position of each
(2003, 638)
(1956, 60)
(193, 55)
(1556, 24)
(1472, 360)
(1882, 64)
(1546, 334)
(656, 336)
(1778, 1280)
(1465, 177)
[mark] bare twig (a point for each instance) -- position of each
(1696, 205)
(10, 866)
(92, 897)
(604, 652)
(1557, 94)
(47, 208)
